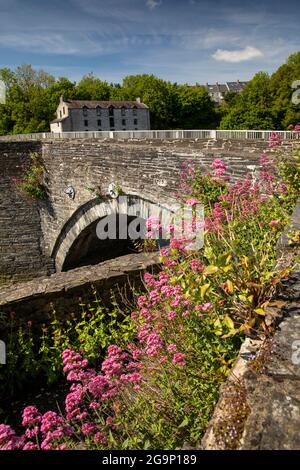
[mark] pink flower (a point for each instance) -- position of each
(88, 428)
(172, 315)
(172, 348)
(31, 416)
(206, 307)
(218, 163)
(219, 171)
(31, 433)
(99, 438)
(154, 344)
(149, 279)
(179, 359)
(192, 202)
(8, 438)
(274, 140)
(196, 266)
(218, 167)
(50, 421)
(30, 446)
(273, 223)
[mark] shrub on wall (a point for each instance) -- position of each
(32, 182)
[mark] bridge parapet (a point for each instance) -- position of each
(157, 134)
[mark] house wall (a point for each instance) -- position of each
(76, 120)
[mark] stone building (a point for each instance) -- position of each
(218, 91)
(80, 116)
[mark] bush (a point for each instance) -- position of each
(32, 182)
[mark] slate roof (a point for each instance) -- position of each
(236, 86)
(77, 104)
(59, 119)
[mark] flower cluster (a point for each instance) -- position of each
(218, 167)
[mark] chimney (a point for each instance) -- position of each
(61, 99)
(138, 100)
(238, 81)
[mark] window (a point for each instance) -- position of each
(123, 111)
(135, 122)
(99, 129)
(123, 122)
(85, 111)
(99, 122)
(64, 110)
(86, 122)
(111, 111)
(60, 113)
(134, 111)
(98, 111)
(111, 122)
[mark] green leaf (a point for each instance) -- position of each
(228, 322)
(204, 289)
(211, 269)
(184, 423)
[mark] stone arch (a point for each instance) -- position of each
(90, 213)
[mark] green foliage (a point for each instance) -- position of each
(34, 351)
(289, 168)
(32, 182)
(33, 96)
(252, 109)
(208, 190)
(91, 88)
(266, 102)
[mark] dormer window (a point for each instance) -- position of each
(111, 110)
(134, 111)
(98, 111)
(85, 110)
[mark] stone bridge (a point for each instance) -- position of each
(40, 237)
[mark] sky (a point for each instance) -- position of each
(184, 41)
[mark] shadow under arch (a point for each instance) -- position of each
(78, 245)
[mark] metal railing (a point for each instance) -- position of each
(157, 134)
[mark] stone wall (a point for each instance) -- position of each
(149, 169)
(21, 235)
(36, 299)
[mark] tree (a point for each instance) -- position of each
(252, 109)
(281, 87)
(156, 93)
(92, 88)
(196, 109)
(266, 102)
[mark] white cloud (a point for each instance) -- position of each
(240, 55)
(151, 4)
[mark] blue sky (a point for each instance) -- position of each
(186, 41)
